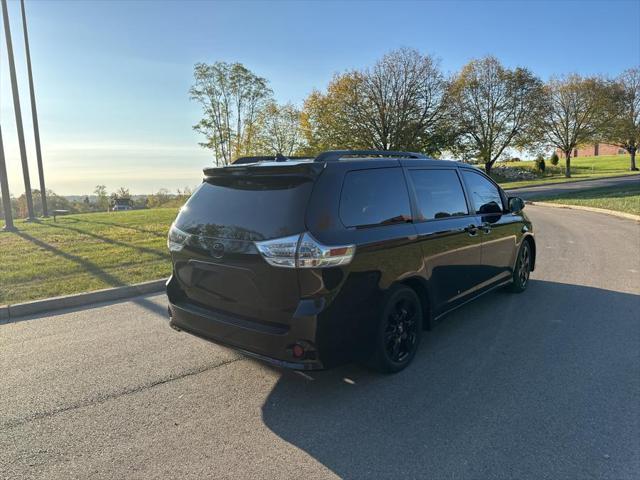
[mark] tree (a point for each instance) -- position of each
(159, 198)
(576, 111)
(279, 130)
(231, 97)
(325, 122)
(398, 104)
(103, 201)
(122, 192)
(55, 202)
(624, 130)
(493, 108)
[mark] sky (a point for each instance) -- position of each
(112, 77)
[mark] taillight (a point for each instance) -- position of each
(280, 252)
(176, 239)
(304, 251)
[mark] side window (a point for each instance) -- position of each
(374, 197)
(485, 196)
(439, 193)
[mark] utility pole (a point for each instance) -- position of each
(4, 189)
(18, 112)
(34, 114)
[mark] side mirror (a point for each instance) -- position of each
(516, 204)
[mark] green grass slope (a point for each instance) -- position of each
(622, 199)
(582, 168)
(83, 252)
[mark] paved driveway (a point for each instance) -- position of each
(540, 385)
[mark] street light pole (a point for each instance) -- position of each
(18, 112)
(4, 189)
(34, 114)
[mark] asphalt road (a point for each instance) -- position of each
(545, 384)
(529, 193)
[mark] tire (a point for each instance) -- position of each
(398, 331)
(523, 269)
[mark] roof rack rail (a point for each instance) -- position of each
(266, 158)
(336, 155)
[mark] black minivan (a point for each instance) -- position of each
(308, 263)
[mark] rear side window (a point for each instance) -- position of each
(439, 193)
(485, 196)
(247, 207)
(374, 197)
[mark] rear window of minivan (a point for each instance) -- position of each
(247, 207)
(374, 197)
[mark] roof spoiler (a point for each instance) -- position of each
(336, 155)
(330, 156)
(243, 164)
(305, 169)
(265, 158)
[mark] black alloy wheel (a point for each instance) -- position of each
(399, 331)
(523, 269)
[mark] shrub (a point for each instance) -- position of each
(540, 165)
(554, 159)
(515, 159)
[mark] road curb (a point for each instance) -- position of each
(505, 188)
(628, 216)
(10, 313)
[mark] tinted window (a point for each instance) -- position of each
(374, 197)
(247, 208)
(485, 196)
(439, 193)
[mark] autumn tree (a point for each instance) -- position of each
(397, 104)
(103, 200)
(576, 111)
(493, 108)
(624, 130)
(231, 97)
(326, 123)
(279, 129)
(122, 192)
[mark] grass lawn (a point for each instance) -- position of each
(623, 199)
(83, 252)
(582, 168)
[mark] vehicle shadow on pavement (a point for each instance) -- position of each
(542, 384)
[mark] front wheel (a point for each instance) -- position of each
(523, 269)
(398, 331)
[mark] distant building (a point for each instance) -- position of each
(595, 150)
(119, 204)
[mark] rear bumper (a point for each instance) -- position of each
(270, 343)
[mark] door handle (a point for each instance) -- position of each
(472, 230)
(486, 228)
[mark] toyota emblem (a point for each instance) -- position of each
(217, 250)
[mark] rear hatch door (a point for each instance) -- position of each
(219, 267)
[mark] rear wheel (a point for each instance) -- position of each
(398, 331)
(523, 269)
